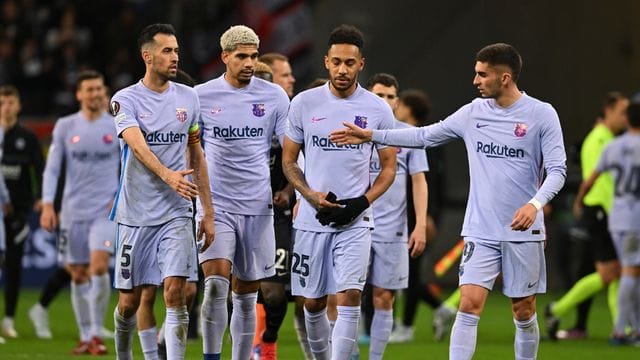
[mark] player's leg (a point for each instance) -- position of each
(479, 267)
(388, 272)
(16, 231)
(175, 261)
(254, 260)
(136, 267)
(275, 305)
(628, 248)
(101, 245)
(524, 275)
(146, 320)
(38, 312)
(312, 279)
(351, 249)
(445, 314)
(301, 328)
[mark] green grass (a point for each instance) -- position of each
(495, 336)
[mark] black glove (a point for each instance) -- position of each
(323, 215)
(351, 209)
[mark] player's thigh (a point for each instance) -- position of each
(224, 243)
(594, 220)
(312, 265)
(389, 265)
(136, 260)
(480, 263)
(283, 256)
(73, 241)
(176, 248)
(350, 250)
(523, 269)
(627, 245)
(102, 233)
(255, 248)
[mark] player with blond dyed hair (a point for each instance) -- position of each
(240, 113)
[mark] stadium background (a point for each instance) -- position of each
(574, 52)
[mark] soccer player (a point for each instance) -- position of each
(157, 120)
(621, 157)
(85, 144)
(511, 138)
(389, 263)
(4, 203)
(598, 202)
(282, 73)
(333, 236)
(22, 167)
(239, 116)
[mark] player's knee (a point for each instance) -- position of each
(127, 305)
(383, 299)
(524, 309)
(470, 305)
(174, 294)
(315, 305)
(190, 291)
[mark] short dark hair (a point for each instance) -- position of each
(347, 34)
(147, 34)
(387, 80)
(610, 100)
(419, 104)
(270, 58)
(633, 114)
(88, 75)
(502, 54)
(9, 90)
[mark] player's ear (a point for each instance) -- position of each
(326, 62)
(362, 61)
(146, 56)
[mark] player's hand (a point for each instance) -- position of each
(577, 209)
(319, 202)
(281, 200)
(7, 208)
(350, 210)
(524, 217)
(179, 183)
(352, 135)
(417, 242)
(206, 229)
(48, 218)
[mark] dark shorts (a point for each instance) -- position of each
(282, 227)
(594, 220)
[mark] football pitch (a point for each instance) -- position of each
(495, 335)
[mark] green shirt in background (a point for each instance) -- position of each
(601, 194)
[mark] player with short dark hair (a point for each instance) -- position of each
(333, 238)
(511, 139)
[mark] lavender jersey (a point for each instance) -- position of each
(508, 151)
(344, 170)
(89, 151)
(237, 127)
(622, 157)
(166, 119)
(390, 209)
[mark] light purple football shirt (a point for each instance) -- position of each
(343, 170)
(622, 157)
(509, 150)
(390, 209)
(89, 150)
(237, 128)
(166, 119)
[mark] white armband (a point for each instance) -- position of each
(535, 203)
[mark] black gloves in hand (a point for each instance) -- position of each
(344, 215)
(323, 215)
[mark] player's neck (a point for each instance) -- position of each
(633, 130)
(155, 83)
(89, 114)
(343, 94)
(508, 97)
(234, 82)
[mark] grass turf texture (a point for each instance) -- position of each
(495, 335)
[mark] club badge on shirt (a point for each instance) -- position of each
(361, 121)
(520, 130)
(181, 114)
(258, 110)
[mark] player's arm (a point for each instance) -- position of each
(50, 178)
(175, 179)
(582, 191)
(387, 174)
(555, 158)
(201, 177)
(294, 174)
(418, 237)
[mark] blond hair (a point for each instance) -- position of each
(238, 35)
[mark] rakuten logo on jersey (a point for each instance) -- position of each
(326, 145)
(492, 150)
(236, 133)
(164, 138)
(83, 156)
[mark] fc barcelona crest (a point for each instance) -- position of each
(520, 130)
(181, 114)
(258, 110)
(361, 121)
